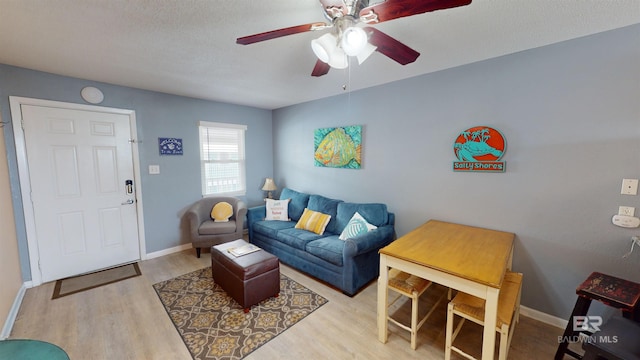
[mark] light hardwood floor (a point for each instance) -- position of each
(126, 320)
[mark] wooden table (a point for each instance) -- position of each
(466, 258)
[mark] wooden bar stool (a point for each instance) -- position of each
(472, 308)
(609, 290)
(412, 287)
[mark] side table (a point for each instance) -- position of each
(26, 349)
(609, 290)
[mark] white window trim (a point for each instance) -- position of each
(243, 192)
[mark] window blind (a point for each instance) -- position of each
(222, 159)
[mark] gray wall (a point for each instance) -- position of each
(570, 113)
(165, 196)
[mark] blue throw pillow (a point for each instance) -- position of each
(356, 226)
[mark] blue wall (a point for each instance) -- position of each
(570, 113)
(165, 196)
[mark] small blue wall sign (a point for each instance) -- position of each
(170, 146)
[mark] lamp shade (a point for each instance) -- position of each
(269, 185)
(338, 59)
(324, 46)
(354, 39)
(365, 53)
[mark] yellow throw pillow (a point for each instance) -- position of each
(313, 221)
(222, 211)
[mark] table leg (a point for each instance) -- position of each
(383, 309)
(490, 321)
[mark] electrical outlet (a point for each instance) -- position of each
(626, 210)
(629, 187)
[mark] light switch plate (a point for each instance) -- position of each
(629, 187)
(154, 169)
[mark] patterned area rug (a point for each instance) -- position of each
(214, 326)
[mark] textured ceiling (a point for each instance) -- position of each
(187, 47)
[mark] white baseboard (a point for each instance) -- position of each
(13, 312)
(543, 317)
(168, 251)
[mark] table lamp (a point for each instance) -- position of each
(269, 186)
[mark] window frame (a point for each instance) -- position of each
(242, 178)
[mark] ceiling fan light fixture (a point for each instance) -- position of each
(365, 53)
(324, 46)
(338, 59)
(354, 40)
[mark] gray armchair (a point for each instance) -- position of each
(204, 232)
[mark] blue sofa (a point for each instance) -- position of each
(346, 264)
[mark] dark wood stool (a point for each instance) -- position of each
(616, 340)
(612, 291)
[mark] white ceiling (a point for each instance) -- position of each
(187, 47)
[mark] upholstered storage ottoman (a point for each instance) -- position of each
(249, 278)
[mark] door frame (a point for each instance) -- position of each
(16, 103)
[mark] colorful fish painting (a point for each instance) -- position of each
(338, 147)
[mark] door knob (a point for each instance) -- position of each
(128, 202)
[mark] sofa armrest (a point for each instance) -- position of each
(257, 213)
(373, 240)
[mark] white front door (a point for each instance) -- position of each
(81, 174)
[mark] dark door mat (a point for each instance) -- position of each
(76, 284)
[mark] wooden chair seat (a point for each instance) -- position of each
(412, 287)
(473, 308)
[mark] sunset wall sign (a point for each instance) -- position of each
(479, 149)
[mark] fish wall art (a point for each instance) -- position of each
(338, 147)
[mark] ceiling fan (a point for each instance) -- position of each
(349, 36)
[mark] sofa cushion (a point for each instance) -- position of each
(277, 209)
(375, 213)
(327, 206)
(313, 221)
(356, 226)
(297, 204)
(329, 248)
(296, 238)
(271, 228)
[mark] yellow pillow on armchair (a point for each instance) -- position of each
(221, 211)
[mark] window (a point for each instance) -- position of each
(222, 162)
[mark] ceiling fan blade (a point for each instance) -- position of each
(391, 47)
(393, 9)
(321, 68)
(246, 40)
